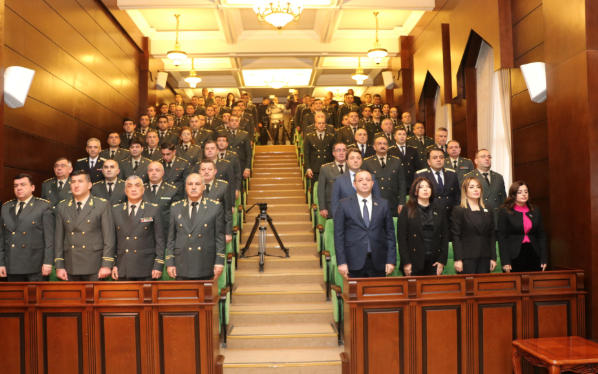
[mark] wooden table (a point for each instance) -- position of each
(566, 354)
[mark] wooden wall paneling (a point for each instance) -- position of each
(530, 143)
(565, 34)
(121, 341)
(38, 179)
(471, 118)
(558, 312)
(144, 77)
(390, 342)
(536, 175)
(517, 81)
(13, 351)
(179, 342)
(446, 63)
(525, 112)
(521, 8)
(64, 344)
(442, 337)
(505, 31)
(528, 33)
(2, 107)
(497, 328)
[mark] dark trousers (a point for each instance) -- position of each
(480, 265)
(528, 260)
(137, 279)
(368, 270)
(83, 278)
(209, 277)
(34, 277)
(428, 268)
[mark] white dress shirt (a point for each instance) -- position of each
(136, 206)
(402, 148)
(84, 201)
(19, 205)
(441, 175)
(94, 160)
(191, 206)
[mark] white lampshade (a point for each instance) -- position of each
(177, 57)
(534, 75)
(17, 81)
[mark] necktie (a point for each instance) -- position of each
(408, 128)
(321, 137)
(168, 165)
(222, 156)
(353, 181)
(354, 130)
(112, 154)
(109, 188)
(91, 164)
(234, 133)
(486, 177)
(207, 188)
(151, 152)
(193, 211)
(136, 165)
(455, 165)
(421, 140)
(154, 189)
(383, 163)
(21, 207)
(186, 148)
(132, 214)
(403, 150)
(366, 218)
(79, 206)
(129, 136)
(209, 121)
(362, 150)
(60, 185)
(194, 134)
(440, 183)
(341, 168)
(161, 134)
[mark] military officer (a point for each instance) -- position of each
(310, 117)
(447, 191)
(114, 150)
(178, 100)
(92, 164)
(224, 168)
(180, 120)
(175, 167)
(111, 188)
(139, 236)
(245, 117)
(198, 131)
(347, 107)
(152, 151)
(160, 193)
(406, 121)
(361, 143)
(218, 190)
(58, 188)
(211, 122)
(151, 115)
(440, 142)
(299, 111)
(84, 235)
(240, 143)
(128, 133)
(328, 173)
(420, 141)
(389, 174)
(223, 152)
(407, 154)
(187, 148)
(196, 239)
(223, 127)
(135, 164)
(493, 184)
(26, 235)
(386, 132)
(394, 117)
(244, 124)
(317, 149)
(346, 134)
(375, 126)
(312, 128)
(190, 110)
(164, 134)
(366, 116)
(460, 165)
(144, 126)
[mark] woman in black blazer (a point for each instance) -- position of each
(422, 232)
(474, 235)
(521, 236)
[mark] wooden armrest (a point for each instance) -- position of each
(240, 208)
(308, 189)
(229, 257)
(320, 228)
(336, 289)
(314, 206)
(326, 255)
(223, 293)
(235, 230)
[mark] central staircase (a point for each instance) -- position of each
(280, 321)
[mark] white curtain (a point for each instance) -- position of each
(444, 115)
(494, 112)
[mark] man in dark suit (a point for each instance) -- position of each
(420, 142)
(460, 165)
(111, 188)
(364, 233)
(298, 111)
(128, 132)
(328, 174)
(92, 165)
(28, 257)
(114, 150)
(175, 167)
(196, 223)
(447, 190)
(346, 134)
(164, 134)
(441, 138)
(84, 236)
(388, 172)
(343, 184)
(218, 190)
(407, 154)
(240, 143)
(317, 149)
(152, 150)
(160, 193)
(139, 236)
(361, 143)
(135, 164)
(386, 132)
(58, 188)
(493, 184)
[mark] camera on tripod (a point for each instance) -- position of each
(263, 208)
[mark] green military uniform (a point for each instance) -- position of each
(464, 166)
(52, 192)
(389, 138)
(193, 154)
(127, 168)
(175, 174)
(117, 195)
(95, 173)
(372, 128)
(240, 143)
(346, 134)
(219, 191)
(434, 146)
(416, 143)
(317, 152)
(236, 164)
(328, 173)
(312, 128)
(344, 110)
(117, 155)
(165, 196)
(156, 155)
(390, 179)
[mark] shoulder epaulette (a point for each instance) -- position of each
(47, 180)
(233, 152)
(115, 205)
(145, 158)
(421, 171)
(39, 198)
(102, 158)
(178, 202)
(311, 133)
(62, 201)
(411, 146)
(99, 198)
(465, 158)
(214, 201)
(152, 204)
(168, 184)
(223, 181)
(398, 158)
(82, 159)
(8, 201)
(449, 169)
(392, 146)
(97, 182)
(367, 158)
(184, 159)
(328, 163)
(120, 181)
(223, 159)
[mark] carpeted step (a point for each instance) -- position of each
(275, 169)
(274, 188)
(284, 208)
(283, 361)
(257, 193)
(284, 335)
(286, 163)
(281, 313)
(279, 276)
(274, 180)
(273, 149)
(287, 238)
(264, 173)
(310, 261)
(278, 293)
(299, 248)
(277, 200)
(277, 217)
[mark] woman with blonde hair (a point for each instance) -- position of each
(474, 235)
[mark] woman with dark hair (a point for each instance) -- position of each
(474, 235)
(422, 232)
(187, 148)
(521, 236)
(230, 101)
(385, 111)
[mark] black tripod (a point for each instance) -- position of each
(260, 222)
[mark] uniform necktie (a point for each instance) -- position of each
(154, 189)
(194, 134)
(207, 188)
(388, 137)
(60, 185)
(440, 182)
(383, 163)
(403, 150)
(79, 206)
(366, 218)
(354, 130)
(186, 148)
(234, 133)
(486, 177)
(129, 136)
(321, 136)
(193, 211)
(168, 165)
(421, 140)
(109, 188)
(21, 207)
(362, 150)
(455, 165)
(136, 165)
(112, 154)
(91, 164)
(222, 156)
(209, 121)
(341, 168)
(132, 214)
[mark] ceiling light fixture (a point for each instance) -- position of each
(177, 56)
(277, 82)
(192, 79)
(278, 16)
(377, 53)
(359, 76)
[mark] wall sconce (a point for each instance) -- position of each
(17, 82)
(534, 75)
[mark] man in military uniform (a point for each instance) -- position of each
(346, 134)
(386, 132)
(58, 188)
(389, 174)
(27, 257)
(178, 100)
(92, 165)
(111, 188)
(310, 117)
(331, 110)
(164, 134)
(250, 107)
(346, 108)
(244, 124)
(223, 127)
(114, 150)
(361, 143)
(367, 101)
(160, 193)
(199, 105)
(198, 131)
(407, 154)
(180, 120)
(493, 184)
(406, 121)
(190, 111)
(317, 149)
(245, 114)
(128, 132)
(218, 190)
(174, 167)
(356, 99)
(135, 164)
(328, 173)
(224, 168)
(440, 143)
(151, 114)
(299, 111)
(196, 238)
(447, 191)
(211, 122)
(312, 128)
(225, 153)
(366, 116)
(84, 237)
(139, 236)
(375, 126)
(420, 142)
(460, 165)
(152, 151)
(240, 143)
(144, 126)
(394, 116)
(163, 111)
